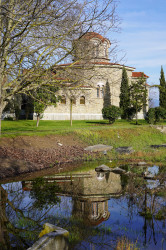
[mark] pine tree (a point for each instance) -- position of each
(162, 89)
(124, 94)
(107, 96)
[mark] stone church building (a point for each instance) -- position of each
(84, 79)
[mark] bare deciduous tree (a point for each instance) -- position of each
(35, 34)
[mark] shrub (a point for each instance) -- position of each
(111, 113)
(8, 118)
(151, 116)
(155, 115)
(160, 113)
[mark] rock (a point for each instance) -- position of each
(161, 128)
(51, 237)
(158, 146)
(148, 175)
(124, 150)
(102, 168)
(118, 171)
(98, 148)
(141, 163)
(60, 144)
(48, 228)
(128, 173)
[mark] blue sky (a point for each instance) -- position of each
(143, 35)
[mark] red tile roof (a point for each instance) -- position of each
(139, 74)
(91, 35)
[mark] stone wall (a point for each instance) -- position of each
(93, 78)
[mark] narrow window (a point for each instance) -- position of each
(95, 209)
(102, 91)
(95, 49)
(104, 206)
(82, 100)
(98, 91)
(63, 99)
(105, 50)
(82, 206)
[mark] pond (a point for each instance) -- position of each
(101, 210)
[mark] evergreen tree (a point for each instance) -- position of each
(124, 94)
(162, 89)
(107, 96)
(138, 93)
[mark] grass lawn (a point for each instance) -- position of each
(51, 127)
(121, 133)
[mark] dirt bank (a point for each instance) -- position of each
(26, 154)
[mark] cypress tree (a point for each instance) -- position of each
(124, 94)
(107, 96)
(162, 89)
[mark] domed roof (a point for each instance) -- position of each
(91, 35)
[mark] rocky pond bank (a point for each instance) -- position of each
(63, 152)
(27, 154)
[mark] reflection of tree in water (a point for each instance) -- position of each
(147, 202)
(20, 219)
(44, 193)
(3, 219)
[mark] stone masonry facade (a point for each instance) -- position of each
(85, 79)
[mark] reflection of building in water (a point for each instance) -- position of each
(92, 210)
(90, 192)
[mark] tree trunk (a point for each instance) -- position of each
(71, 106)
(4, 55)
(0, 119)
(38, 119)
(136, 115)
(4, 237)
(1, 26)
(145, 201)
(136, 118)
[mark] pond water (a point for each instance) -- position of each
(101, 210)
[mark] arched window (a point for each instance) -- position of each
(63, 99)
(98, 91)
(73, 99)
(82, 100)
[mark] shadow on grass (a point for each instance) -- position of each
(137, 124)
(99, 122)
